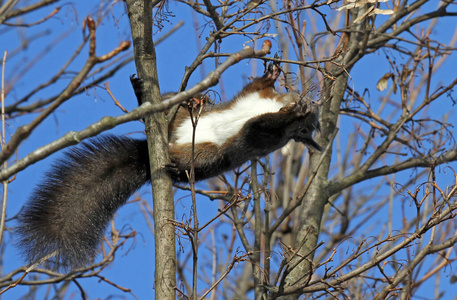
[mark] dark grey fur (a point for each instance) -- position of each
(68, 213)
(70, 210)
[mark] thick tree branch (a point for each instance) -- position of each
(106, 123)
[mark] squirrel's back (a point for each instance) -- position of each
(67, 214)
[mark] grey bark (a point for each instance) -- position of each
(140, 15)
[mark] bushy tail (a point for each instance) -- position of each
(69, 211)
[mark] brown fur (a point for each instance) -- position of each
(67, 214)
(258, 137)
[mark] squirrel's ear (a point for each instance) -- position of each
(137, 85)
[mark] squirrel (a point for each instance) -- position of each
(67, 214)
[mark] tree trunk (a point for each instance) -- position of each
(140, 15)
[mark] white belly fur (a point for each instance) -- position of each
(218, 127)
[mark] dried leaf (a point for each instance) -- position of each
(382, 83)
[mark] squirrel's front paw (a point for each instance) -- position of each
(172, 169)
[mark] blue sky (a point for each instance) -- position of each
(135, 260)
(134, 263)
